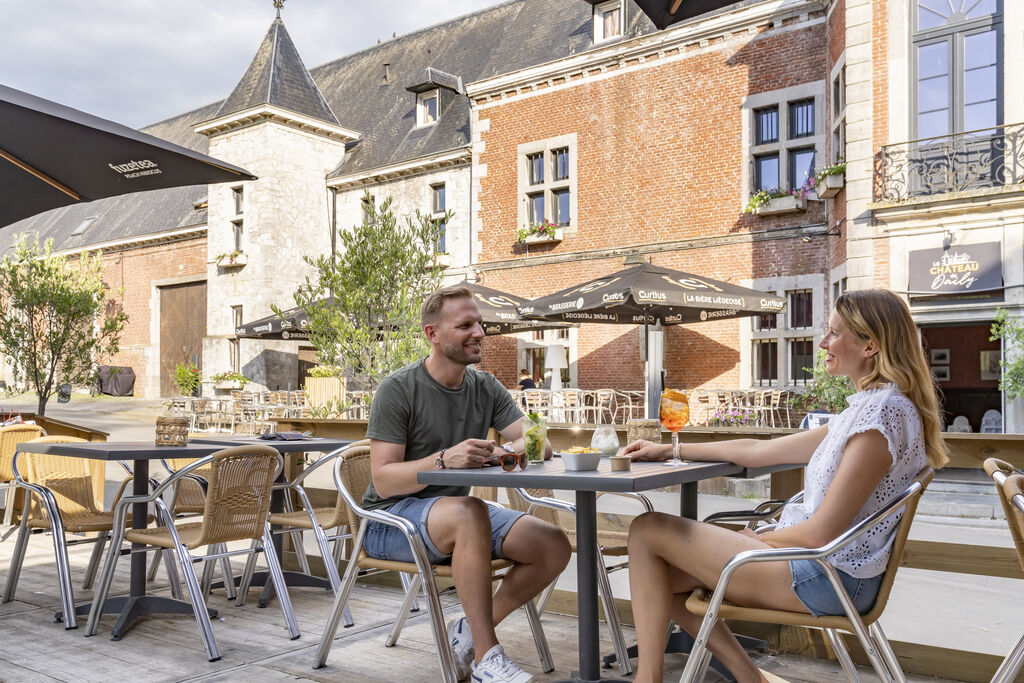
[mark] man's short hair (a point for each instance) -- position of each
(430, 311)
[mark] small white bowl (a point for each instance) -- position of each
(580, 462)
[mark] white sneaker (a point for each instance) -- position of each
(462, 645)
(495, 667)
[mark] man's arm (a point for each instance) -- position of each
(394, 476)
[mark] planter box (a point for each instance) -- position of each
(236, 261)
(230, 384)
(545, 239)
(780, 205)
(830, 185)
(320, 390)
(440, 261)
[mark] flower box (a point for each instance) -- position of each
(830, 185)
(440, 260)
(545, 238)
(781, 205)
(231, 260)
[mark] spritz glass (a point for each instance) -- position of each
(674, 412)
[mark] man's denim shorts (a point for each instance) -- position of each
(386, 542)
(812, 587)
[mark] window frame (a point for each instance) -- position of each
(238, 235)
(550, 186)
(234, 348)
(421, 99)
(437, 213)
(600, 10)
(837, 125)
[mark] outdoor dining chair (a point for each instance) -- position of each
(352, 477)
(1009, 487)
(62, 495)
(542, 504)
(10, 437)
(236, 509)
(712, 606)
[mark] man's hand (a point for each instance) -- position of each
(470, 454)
(646, 451)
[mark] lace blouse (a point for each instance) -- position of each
(892, 414)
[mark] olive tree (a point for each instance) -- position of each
(363, 301)
(56, 320)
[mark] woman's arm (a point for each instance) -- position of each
(792, 448)
(865, 461)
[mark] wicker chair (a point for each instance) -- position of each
(1009, 486)
(10, 437)
(236, 509)
(352, 477)
(542, 504)
(63, 495)
(866, 627)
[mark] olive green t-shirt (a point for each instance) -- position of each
(412, 408)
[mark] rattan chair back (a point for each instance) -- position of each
(238, 493)
(355, 475)
(1002, 472)
(188, 493)
(76, 483)
(10, 437)
(549, 515)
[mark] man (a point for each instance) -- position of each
(435, 414)
(525, 381)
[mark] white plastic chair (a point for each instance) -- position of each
(960, 424)
(991, 422)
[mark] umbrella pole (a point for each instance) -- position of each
(654, 356)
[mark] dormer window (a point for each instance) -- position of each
(426, 108)
(608, 21)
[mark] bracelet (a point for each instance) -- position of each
(439, 460)
(508, 448)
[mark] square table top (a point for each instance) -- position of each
(311, 444)
(122, 450)
(551, 474)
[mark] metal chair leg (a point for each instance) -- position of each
(277, 577)
(9, 496)
(208, 567)
(612, 617)
(331, 568)
(94, 558)
(403, 612)
(198, 600)
(542, 601)
(106, 576)
(835, 640)
(406, 580)
(17, 559)
(243, 583)
(1012, 663)
(888, 656)
(340, 602)
(539, 639)
(172, 573)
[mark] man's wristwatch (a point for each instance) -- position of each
(439, 460)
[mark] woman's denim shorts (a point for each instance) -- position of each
(385, 542)
(812, 587)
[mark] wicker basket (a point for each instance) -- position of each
(171, 431)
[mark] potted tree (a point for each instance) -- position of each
(325, 386)
(186, 378)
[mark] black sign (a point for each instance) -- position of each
(958, 270)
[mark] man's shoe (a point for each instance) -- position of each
(462, 645)
(495, 667)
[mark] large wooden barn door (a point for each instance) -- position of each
(182, 328)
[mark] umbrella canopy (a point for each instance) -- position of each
(500, 312)
(647, 294)
(664, 13)
(52, 156)
(291, 324)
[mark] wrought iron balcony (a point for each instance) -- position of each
(964, 162)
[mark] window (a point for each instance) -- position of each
(957, 48)
(766, 321)
(236, 234)
(238, 198)
(785, 138)
(766, 362)
(437, 211)
(426, 108)
(775, 348)
(839, 115)
(801, 360)
(366, 205)
(607, 20)
(83, 226)
(801, 315)
(234, 359)
(547, 179)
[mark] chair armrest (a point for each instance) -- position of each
(375, 515)
(539, 501)
(306, 471)
(765, 511)
(638, 497)
(166, 483)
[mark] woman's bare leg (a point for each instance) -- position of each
(670, 556)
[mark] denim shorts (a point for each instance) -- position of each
(812, 587)
(385, 542)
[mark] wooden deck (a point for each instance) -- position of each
(255, 645)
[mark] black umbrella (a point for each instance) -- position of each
(647, 294)
(291, 324)
(500, 314)
(667, 12)
(52, 155)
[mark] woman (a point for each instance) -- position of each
(870, 452)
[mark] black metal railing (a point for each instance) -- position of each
(963, 162)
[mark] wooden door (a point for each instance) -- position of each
(182, 328)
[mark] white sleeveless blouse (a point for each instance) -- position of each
(892, 414)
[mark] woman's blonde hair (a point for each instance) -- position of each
(882, 317)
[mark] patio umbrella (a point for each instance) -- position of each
(291, 324)
(650, 295)
(52, 156)
(664, 13)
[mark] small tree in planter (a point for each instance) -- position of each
(825, 391)
(187, 378)
(1011, 331)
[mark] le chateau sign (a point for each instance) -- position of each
(958, 270)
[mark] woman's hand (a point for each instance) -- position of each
(646, 451)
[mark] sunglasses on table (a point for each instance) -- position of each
(510, 460)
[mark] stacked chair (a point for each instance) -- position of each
(1010, 487)
(352, 476)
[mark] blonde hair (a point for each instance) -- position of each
(882, 317)
(430, 311)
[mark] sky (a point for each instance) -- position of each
(141, 61)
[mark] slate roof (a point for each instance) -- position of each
(497, 40)
(277, 76)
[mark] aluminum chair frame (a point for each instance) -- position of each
(445, 656)
(603, 583)
(1008, 485)
(186, 559)
(10, 486)
(871, 637)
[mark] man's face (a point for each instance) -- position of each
(459, 331)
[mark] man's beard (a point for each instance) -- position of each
(457, 353)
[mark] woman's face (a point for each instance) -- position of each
(845, 354)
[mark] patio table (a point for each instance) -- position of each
(136, 604)
(552, 474)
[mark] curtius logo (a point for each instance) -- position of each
(135, 169)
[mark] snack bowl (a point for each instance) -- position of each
(580, 462)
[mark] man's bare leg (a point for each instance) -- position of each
(541, 551)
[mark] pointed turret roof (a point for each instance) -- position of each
(278, 77)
